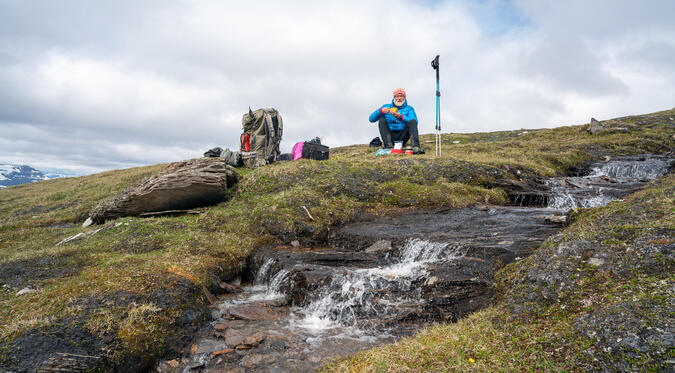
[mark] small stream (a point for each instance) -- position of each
(388, 278)
(606, 182)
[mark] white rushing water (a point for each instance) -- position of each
(563, 198)
(602, 184)
(261, 276)
(648, 169)
(272, 290)
(354, 296)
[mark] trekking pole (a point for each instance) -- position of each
(435, 65)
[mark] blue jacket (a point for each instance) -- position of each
(394, 124)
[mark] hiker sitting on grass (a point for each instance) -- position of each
(397, 122)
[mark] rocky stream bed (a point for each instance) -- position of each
(381, 279)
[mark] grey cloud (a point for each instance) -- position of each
(105, 85)
(570, 65)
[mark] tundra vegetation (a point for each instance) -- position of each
(132, 289)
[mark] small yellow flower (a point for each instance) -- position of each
(471, 360)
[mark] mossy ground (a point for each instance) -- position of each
(133, 282)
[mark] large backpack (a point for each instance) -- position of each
(263, 129)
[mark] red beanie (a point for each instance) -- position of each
(399, 90)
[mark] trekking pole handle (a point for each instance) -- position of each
(436, 65)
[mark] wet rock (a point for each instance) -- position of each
(556, 219)
(234, 337)
(254, 340)
(208, 346)
(379, 246)
(277, 345)
(524, 192)
(182, 185)
(253, 313)
(235, 370)
(333, 258)
(171, 366)
(303, 279)
(458, 288)
(196, 364)
(253, 361)
(229, 288)
(222, 352)
(220, 327)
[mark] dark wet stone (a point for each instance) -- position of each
(252, 313)
(529, 192)
(456, 289)
(188, 317)
(277, 345)
(379, 246)
(253, 361)
(234, 337)
(208, 346)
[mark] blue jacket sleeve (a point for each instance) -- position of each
(375, 116)
(409, 115)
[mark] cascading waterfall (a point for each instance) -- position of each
(276, 282)
(563, 198)
(647, 169)
(261, 275)
(605, 182)
(354, 296)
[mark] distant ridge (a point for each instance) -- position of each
(20, 174)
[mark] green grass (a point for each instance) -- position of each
(486, 341)
(137, 258)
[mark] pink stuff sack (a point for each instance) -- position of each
(297, 150)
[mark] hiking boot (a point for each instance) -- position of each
(417, 150)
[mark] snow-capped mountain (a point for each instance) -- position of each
(14, 174)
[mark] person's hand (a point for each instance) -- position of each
(384, 110)
(397, 115)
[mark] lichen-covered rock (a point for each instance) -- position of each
(621, 331)
(181, 186)
(610, 273)
(596, 127)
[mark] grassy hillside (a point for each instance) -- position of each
(134, 286)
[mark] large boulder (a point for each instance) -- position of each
(181, 186)
(596, 127)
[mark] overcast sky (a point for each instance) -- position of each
(88, 85)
